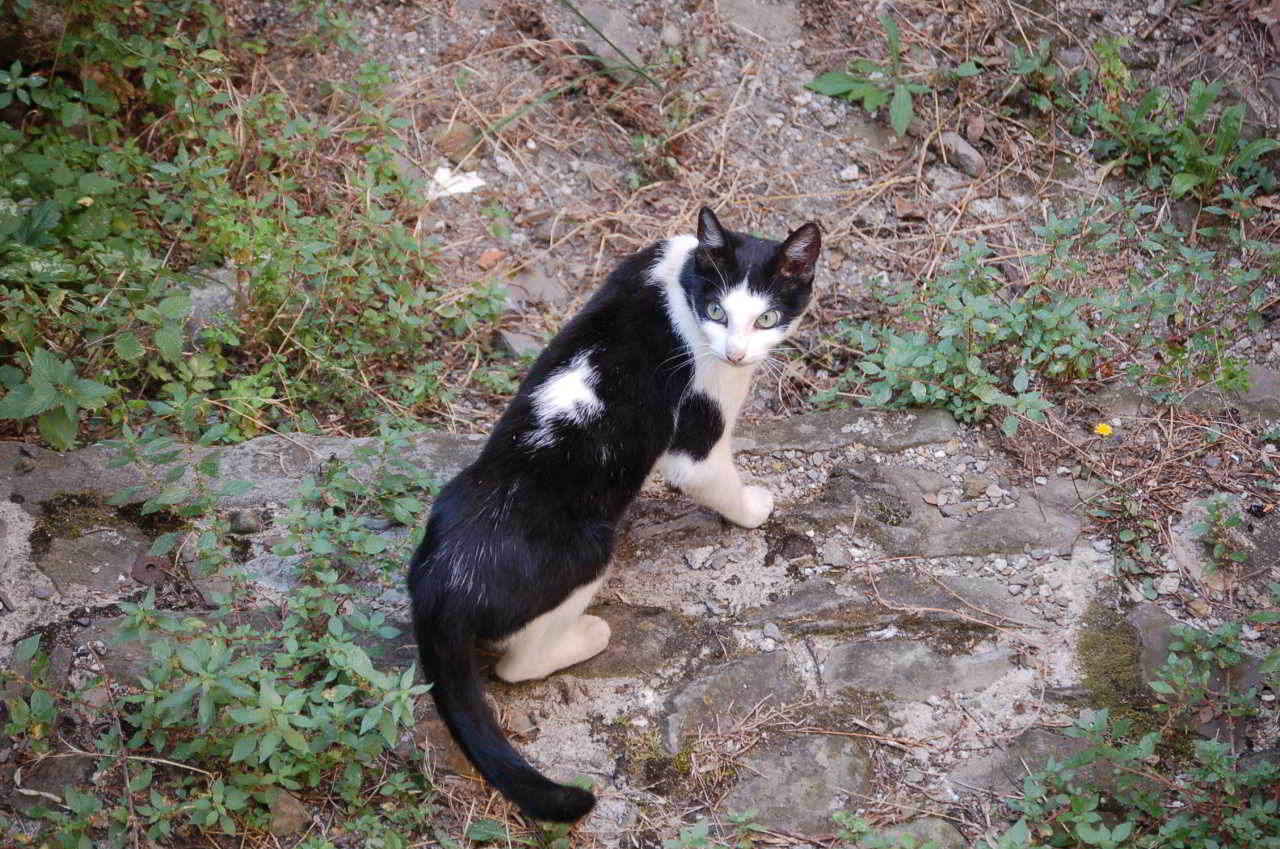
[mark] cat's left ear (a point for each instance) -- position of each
(798, 255)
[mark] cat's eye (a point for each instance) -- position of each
(715, 312)
(768, 319)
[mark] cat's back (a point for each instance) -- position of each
(598, 404)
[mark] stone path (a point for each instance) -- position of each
(905, 627)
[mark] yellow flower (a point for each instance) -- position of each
(1102, 429)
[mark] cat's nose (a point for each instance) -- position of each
(734, 356)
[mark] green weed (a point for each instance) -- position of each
(875, 84)
(129, 188)
(222, 719)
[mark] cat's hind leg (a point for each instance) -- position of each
(557, 639)
(714, 482)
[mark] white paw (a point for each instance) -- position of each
(757, 504)
(593, 634)
(513, 671)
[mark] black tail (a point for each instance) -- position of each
(449, 664)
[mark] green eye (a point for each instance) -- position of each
(715, 312)
(768, 319)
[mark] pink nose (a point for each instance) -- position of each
(735, 356)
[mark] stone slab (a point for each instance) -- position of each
(909, 669)
(796, 783)
(724, 695)
(882, 431)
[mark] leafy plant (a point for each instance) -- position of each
(875, 84)
(1192, 154)
(223, 719)
(1110, 795)
(1220, 533)
(162, 171)
(53, 393)
(962, 342)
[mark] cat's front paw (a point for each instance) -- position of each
(757, 504)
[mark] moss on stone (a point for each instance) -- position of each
(1109, 657)
(68, 516)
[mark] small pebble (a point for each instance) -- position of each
(42, 593)
(849, 173)
(771, 631)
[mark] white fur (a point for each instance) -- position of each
(714, 481)
(568, 393)
(558, 638)
(738, 340)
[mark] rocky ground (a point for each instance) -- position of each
(905, 638)
(930, 604)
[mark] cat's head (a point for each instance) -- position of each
(748, 294)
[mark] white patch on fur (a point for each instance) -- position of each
(567, 394)
(713, 481)
(558, 638)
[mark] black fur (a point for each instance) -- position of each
(699, 426)
(517, 531)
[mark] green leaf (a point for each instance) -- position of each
(268, 744)
(1089, 834)
(900, 110)
(15, 404)
(487, 831)
(58, 429)
(968, 68)
(1010, 426)
(168, 340)
(172, 495)
(1254, 149)
(295, 740)
(834, 83)
(26, 649)
(175, 307)
(1183, 183)
(374, 544)
(164, 543)
(128, 347)
(47, 368)
(89, 394)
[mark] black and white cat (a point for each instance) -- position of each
(653, 370)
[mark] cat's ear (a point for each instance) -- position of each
(712, 240)
(798, 255)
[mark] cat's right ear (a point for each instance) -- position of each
(712, 241)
